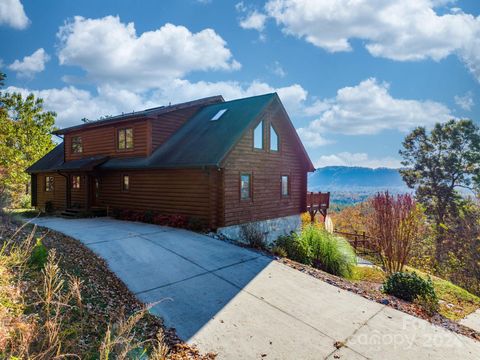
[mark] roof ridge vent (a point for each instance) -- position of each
(218, 115)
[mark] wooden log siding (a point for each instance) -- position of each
(165, 125)
(266, 168)
(103, 141)
(57, 196)
(170, 192)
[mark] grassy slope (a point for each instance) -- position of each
(463, 302)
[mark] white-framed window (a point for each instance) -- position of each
(125, 182)
(285, 185)
(245, 186)
(49, 183)
(258, 136)
(76, 182)
(125, 138)
(77, 146)
(274, 141)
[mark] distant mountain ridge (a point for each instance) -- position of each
(353, 184)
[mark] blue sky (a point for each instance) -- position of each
(354, 78)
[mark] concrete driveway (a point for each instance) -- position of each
(243, 305)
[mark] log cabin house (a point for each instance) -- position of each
(224, 162)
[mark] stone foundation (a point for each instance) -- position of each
(272, 228)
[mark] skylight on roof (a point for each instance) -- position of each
(219, 114)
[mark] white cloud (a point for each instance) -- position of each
(30, 65)
(72, 104)
(395, 29)
(277, 69)
(12, 14)
(111, 51)
(254, 21)
(466, 101)
(368, 108)
(357, 159)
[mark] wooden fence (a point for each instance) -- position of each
(362, 243)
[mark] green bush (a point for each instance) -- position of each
(411, 287)
(49, 207)
(39, 255)
(319, 248)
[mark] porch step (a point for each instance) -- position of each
(79, 213)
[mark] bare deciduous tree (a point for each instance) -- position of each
(394, 222)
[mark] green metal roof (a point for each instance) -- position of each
(200, 142)
(205, 142)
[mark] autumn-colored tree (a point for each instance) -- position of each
(25, 136)
(351, 219)
(395, 223)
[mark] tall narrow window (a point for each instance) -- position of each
(285, 185)
(125, 138)
(77, 146)
(245, 186)
(258, 136)
(125, 182)
(49, 183)
(273, 139)
(76, 182)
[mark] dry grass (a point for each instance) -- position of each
(48, 313)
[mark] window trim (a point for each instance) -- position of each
(117, 138)
(123, 182)
(288, 185)
(52, 184)
(79, 182)
(270, 139)
(262, 126)
(250, 188)
(72, 144)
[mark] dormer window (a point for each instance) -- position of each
(77, 146)
(125, 139)
(258, 136)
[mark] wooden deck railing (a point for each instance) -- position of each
(318, 203)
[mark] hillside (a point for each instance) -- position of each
(349, 185)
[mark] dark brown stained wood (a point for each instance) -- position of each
(103, 141)
(170, 192)
(166, 124)
(266, 168)
(57, 196)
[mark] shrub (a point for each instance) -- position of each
(39, 255)
(197, 224)
(279, 251)
(411, 287)
(49, 207)
(253, 234)
(148, 216)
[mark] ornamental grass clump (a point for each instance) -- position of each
(317, 247)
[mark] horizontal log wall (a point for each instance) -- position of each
(266, 168)
(57, 196)
(184, 192)
(166, 124)
(102, 140)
